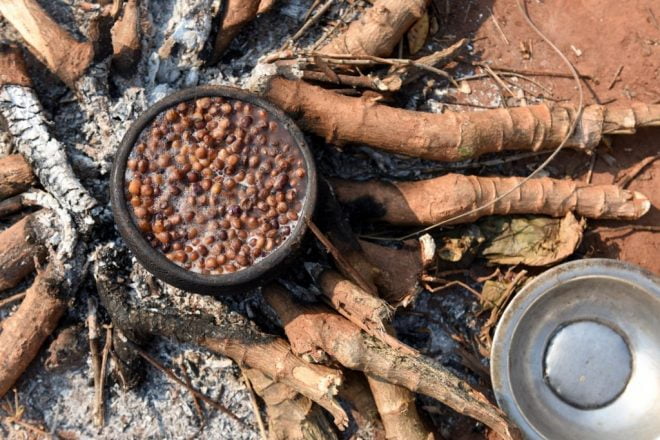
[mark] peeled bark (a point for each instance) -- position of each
(432, 201)
(291, 416)
(19, 247)
(60, 52)
(15, 175)
(379, 30)
(23, 333)
(312, 328)
(451, 136)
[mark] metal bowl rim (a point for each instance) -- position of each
(528, 295)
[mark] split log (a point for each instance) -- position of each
(52, 45)
(21, 109)
(312, 328)
(432, 201)
(23, 333)
(291, 416)
(379, 30)
(126, 38)
(15, 175)
(20, 246)
(237, 13)
(451, 136)
(201, 320)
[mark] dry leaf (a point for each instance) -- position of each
(418, 33)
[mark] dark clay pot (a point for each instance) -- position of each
(152, 259)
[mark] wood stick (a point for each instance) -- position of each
(126, 38)
(21, 109)
(310, 328)
(64, 56)
(11, 206)
(24, 332)
(291, 416)
(379, 30)
(356, 392)
(398, 412)
(427, 202)
(451, 136)
(20, 246)
(15, 175)
(219, 330)
(237, 13)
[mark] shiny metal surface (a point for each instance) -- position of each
(576, 354)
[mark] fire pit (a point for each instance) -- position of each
(211, 189)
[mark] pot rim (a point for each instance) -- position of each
(154, 260)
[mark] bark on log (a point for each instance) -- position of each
(207, 323)
(310, 328)
(291, 416)
(398, 412)
(379, 30)
(22, 334)
(432, 201)
(12, 67)
(15, 175)
(21, 109)
(237, 14)
(65, 56)
(451, 136)
(20, 245)
(126, 38)
(356, 392)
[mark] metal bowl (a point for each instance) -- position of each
(576, 354)
(153, 260)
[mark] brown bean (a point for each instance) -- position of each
(135, 186)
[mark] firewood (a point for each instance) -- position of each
(379, 30)
(432, 201)
(451, 136)
(310, 328)
(22, 110)
(65, 56)
(236, 15)
(396, 406)
(211, 325)
(23, 333)
(126, 38)
(291, 416)
(355, 390)
(20, 246)
(15, 175)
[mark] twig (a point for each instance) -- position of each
(646, 228)
(497, 25)
(196, 404)
(592, 163)
(99, 409)
(220, 407)
(93, 337)
(12, 299)
(616, 77)
(628, 177)
(309, 22)
(255, 406)
(457, 283)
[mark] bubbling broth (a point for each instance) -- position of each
(215, 184)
